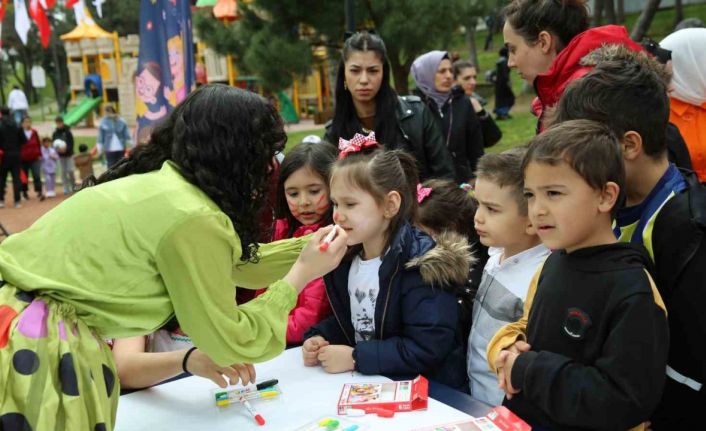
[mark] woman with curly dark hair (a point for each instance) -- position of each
(366, 102)
(165, 233)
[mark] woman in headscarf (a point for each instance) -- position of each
(454, 112)
(688, 95)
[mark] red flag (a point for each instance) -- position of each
(39, 15)
(71, 3)
(3, 9)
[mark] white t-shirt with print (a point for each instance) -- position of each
(363, 288)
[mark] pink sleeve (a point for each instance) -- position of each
(312, 306)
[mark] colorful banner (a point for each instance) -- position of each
(165, 71)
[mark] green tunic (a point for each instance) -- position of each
(123, 257)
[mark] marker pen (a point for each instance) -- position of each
(257, 416)
(327, 240)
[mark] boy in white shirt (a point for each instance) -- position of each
(516, 252)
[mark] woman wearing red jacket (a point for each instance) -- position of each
(31, 156)
(547, 39)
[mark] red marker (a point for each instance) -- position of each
(258, 417)
(327, 240)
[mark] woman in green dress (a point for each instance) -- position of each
(167, 232)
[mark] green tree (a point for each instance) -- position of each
(122, 16)
(274, 38)
(23, 57)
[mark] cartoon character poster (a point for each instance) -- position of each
(165, 72)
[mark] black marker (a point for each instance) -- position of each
(266, 384)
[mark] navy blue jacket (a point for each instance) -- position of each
(417, 328)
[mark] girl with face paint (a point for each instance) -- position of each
(302, 207)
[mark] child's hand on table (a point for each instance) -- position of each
(310, 350)
(337, 358)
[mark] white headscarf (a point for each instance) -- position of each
(688, 48)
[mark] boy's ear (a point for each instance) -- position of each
(631, 145)
(546, 42)
(393, 201)
(609, 197)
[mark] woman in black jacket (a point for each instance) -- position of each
(366, 102)
(462, 131)
(465, 75)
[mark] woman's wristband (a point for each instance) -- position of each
(186, 358)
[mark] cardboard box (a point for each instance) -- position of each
(499, 419)
(402, 396)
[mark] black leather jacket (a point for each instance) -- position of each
(419, 134)
(463, 135)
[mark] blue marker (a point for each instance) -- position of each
(351, 428)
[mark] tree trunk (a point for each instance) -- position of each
(57, 78)
(644, 20)
(471, 41)
(621, 11)
(400, 71)
(610, 12)
(598, 12)
(678, 12)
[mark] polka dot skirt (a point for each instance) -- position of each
(55, 372)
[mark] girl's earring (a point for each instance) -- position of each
(345, 86)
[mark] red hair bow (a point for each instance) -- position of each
(356, 144)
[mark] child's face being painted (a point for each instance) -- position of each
(566, 211)
(498, 219)
(357, 212)
(307, 196)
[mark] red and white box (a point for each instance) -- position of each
(499, 419)
(402, 396)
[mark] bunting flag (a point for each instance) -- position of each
(22, 23)
(99, 7)
(71, 3)
(38, 11)
(165, 70)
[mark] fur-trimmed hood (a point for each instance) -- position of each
(446, 264)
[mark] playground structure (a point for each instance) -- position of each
(101, 67)
(309, 96)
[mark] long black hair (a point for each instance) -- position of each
(318, 158)
(222, 140)
(345, 122)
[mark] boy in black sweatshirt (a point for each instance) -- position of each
(591, 348)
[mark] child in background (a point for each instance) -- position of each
(49, 158)
(502, 222)
(394, 296)
(302, 207)
(445, 212)
(590, 350)
(84, 162)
